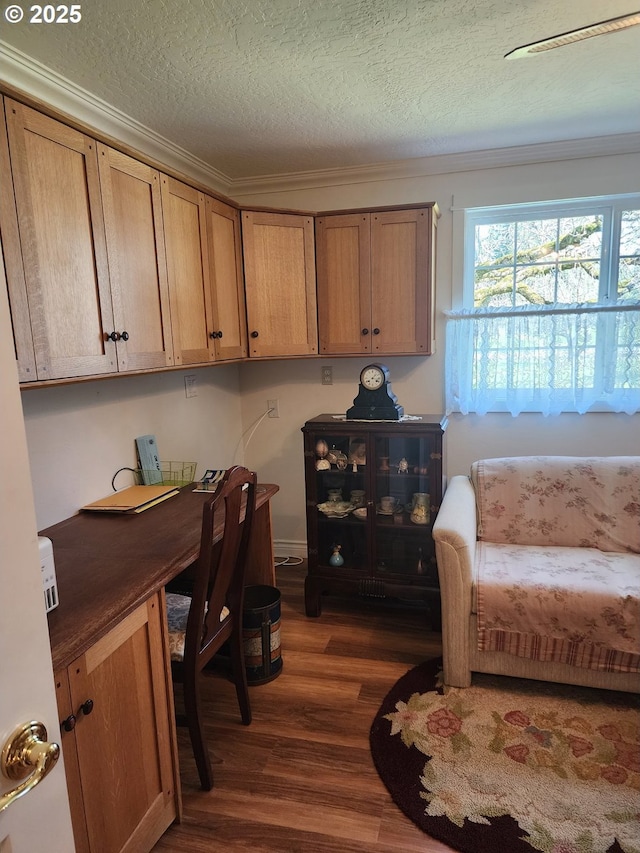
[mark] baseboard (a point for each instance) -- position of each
(290, 548)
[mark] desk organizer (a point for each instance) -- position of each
(169, 474)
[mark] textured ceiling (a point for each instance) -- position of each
(278, 86)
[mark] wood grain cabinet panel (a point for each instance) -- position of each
(376, 275)
(227, 282)
(120, 757)
(11, 265)
(57, 193)
(132, 207)
(183, 209)
(280, 284)
(343, 248)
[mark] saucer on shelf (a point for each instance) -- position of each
(381, 511)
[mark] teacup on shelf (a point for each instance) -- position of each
(388, 503)
(357, 497)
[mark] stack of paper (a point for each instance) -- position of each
(133, 499)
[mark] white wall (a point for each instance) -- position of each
(79, 435)
(276, 450)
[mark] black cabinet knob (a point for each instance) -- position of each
(376, 331)
(254, 334)
(87, 707)
(69, 723)
(114, 336)
(219, 335)
(365, 331)
(125, 336)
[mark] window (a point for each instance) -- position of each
(551, 315)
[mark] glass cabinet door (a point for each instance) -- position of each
(402, 486)
(342, 494)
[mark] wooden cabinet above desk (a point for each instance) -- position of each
(111, 662)
(109, 273)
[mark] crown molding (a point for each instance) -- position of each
(440, 164)
(36, 80)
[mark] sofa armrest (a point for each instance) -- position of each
(456, 519)
(454, 533)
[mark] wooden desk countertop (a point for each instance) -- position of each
(108, 564)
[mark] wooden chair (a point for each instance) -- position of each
(201, 623)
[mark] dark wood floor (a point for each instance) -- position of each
(300, 777)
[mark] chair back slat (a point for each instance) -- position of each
(221, 564)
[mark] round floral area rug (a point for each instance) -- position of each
(510, 765)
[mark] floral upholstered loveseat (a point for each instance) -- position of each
(539, 566)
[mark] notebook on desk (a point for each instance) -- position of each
(134, 499)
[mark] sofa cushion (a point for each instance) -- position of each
(572, 605)
(559, 500)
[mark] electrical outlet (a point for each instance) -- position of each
(190, 387)
(327, 375)
(274, 411)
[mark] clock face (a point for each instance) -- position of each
(372, 378)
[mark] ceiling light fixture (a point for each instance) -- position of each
(611, 26)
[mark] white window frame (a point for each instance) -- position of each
(609, 207)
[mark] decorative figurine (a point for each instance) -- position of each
(336, 559)
(384, 463)
(341, 461)
(403, 466)
(322, 449)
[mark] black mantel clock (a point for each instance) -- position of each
(375, 401)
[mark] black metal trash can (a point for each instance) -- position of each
(261, 634)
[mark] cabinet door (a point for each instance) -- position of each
(401, 281)
(137, 264)
(71, 767)
(343, 245)
(280, 282)
(227, 285)
(183, 209)
(406, 468)
(125, 744)
(55, 175)
(11, 257)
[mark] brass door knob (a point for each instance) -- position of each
(27, 754)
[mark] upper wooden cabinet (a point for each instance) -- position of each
(11, 266)
(62, 241)
(227, 283)
(343, 263)
(132, 210)
(279, 268)
(112, 266)
(376, 281)
(183, 208)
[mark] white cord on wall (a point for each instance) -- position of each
(254, 426)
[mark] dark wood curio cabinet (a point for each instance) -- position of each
(373, 491)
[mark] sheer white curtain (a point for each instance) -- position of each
(551, 360)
